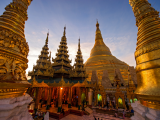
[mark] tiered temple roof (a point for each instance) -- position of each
(78, 71)
(43, 69)
(61, 62)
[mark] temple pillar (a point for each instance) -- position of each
(60, 89)
(57, 93)
(52, 93)
(43, 93)
(37, 99)
(90, 97)
(102, 101)
(71, 93)
(46, 94)
(69, 97)
(95, 99)
(86, 92)
(49, 98)
(79, 98)
(105, 100)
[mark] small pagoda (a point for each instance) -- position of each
(43, 69)
(61, 63)
(78, 71)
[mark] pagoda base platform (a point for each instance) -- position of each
(144, 113)
(15, 108)
(54, 114)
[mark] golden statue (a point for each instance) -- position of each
(13, 49)
(147, 53)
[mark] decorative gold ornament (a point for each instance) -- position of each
(13, 49)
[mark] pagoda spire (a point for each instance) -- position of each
(98, 34)
(64, 33)
(43, 69)
(99, 47)
(47, 38)
(79, 49)
(78, 71)
(61, 62)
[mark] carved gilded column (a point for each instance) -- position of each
(13, 49)
(60, 89)
(79, 98)
(69, 96)
(147, 53)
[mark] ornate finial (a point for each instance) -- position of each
(64, 33)
(47, 37)
(48, 33)
(97, 25)
(79, 44)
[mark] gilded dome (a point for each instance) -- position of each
(102, 59)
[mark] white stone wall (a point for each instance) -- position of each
(15, 108)
(144, 113)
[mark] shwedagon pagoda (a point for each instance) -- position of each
(102, 84)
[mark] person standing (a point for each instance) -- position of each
(123, 114)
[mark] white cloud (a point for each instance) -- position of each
(129, 59)
(33, 33)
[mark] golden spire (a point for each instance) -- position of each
(101, 59)
(99, 47)
(98, 34)
(44, 63)
(62, 58)
(147, 53)
(64, 33)
(79, 45)
(78, 71)
(47, 38)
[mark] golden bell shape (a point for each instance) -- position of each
(147, 53)
(101, 59)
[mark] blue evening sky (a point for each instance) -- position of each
(116, 19)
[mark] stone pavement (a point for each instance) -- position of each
(90, 117)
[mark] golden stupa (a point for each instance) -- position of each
(102, 59)
(147, 53)
(13, 50)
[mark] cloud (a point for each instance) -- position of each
(121, 48)
(129, 59)
(33, 33)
